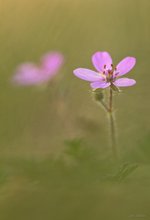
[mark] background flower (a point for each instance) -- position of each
(31, 74)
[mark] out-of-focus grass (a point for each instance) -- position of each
(79, 180)
(79, 184)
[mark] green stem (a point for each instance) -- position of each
(109, 109)
(112, 125)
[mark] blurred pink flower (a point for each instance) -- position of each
(107, 75)
(28, 74)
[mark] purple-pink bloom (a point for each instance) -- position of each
(107, 74)
(28, 74)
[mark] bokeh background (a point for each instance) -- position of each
(55, 159)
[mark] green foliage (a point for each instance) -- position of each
(124, 171)
(101, 168)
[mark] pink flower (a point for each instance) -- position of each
(31, 74)
(107, 74)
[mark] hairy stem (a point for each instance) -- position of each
(112, 125)
(99, 98)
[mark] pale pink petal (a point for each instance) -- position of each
(102, 61)
(96, 85)
(51, 63)
(125, 65)
(88, 75)
(27, 74)
(31, 74)
(124, 82)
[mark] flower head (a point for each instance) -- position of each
(32, 74)
(107, 74)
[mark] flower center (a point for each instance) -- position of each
(111, 73)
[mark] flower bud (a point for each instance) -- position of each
(98, 95)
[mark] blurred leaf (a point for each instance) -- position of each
(124, 171)
(74, 147)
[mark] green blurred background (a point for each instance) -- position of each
(55, 160)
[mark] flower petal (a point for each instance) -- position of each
(88, 75)
(100, 59)
(96, 85)
(27, 74)
(51, 63)
(124, 82)
(125, 65)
